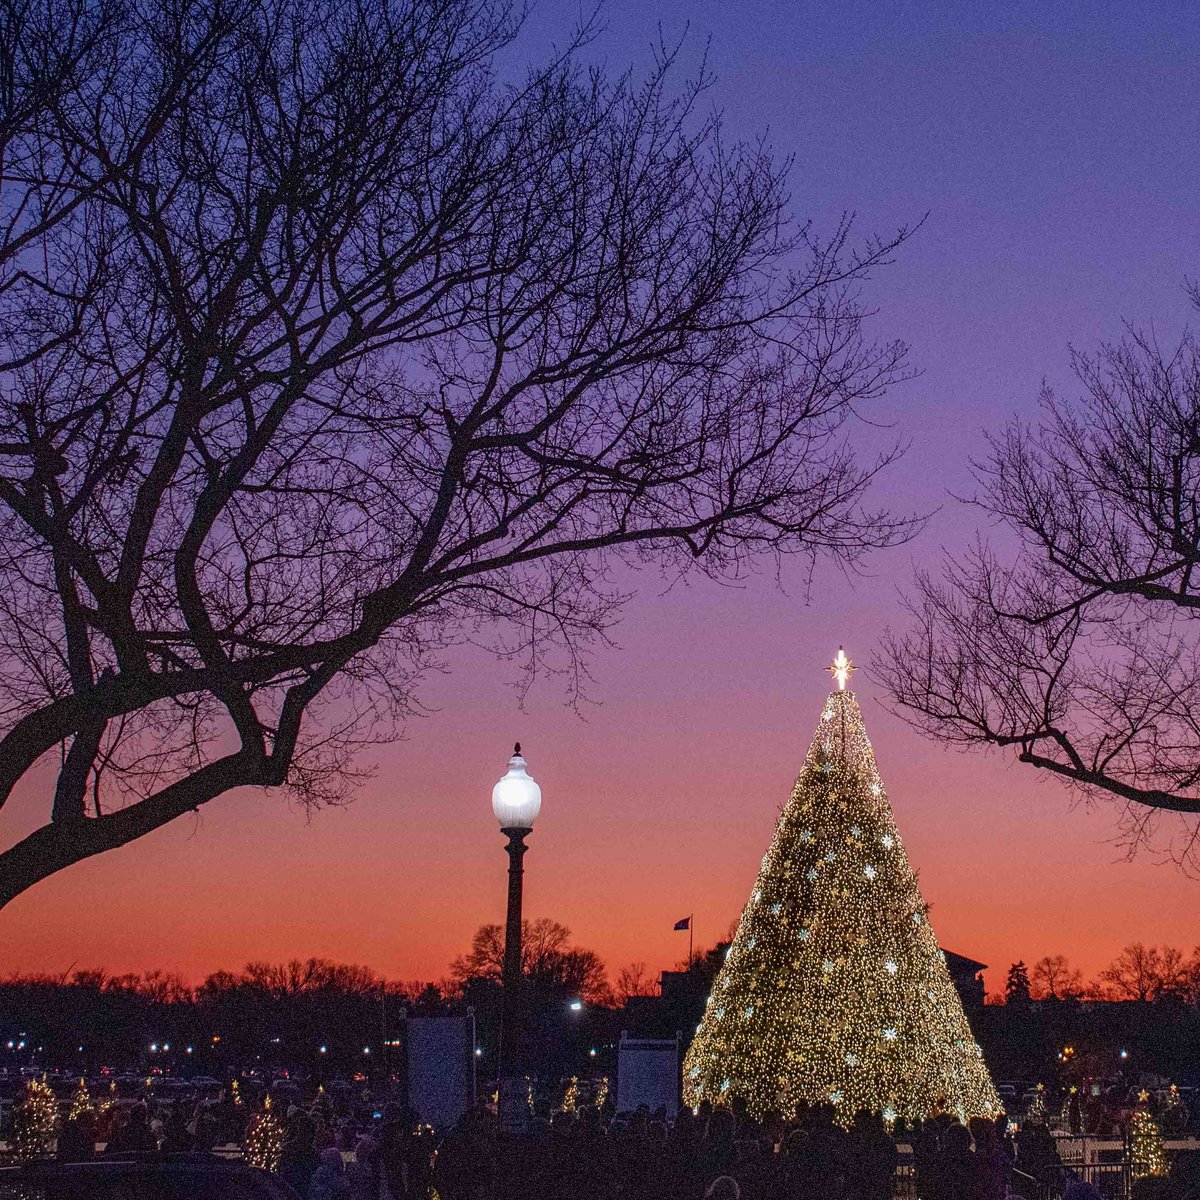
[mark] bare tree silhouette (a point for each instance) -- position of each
(1076, 649)
(328, 347)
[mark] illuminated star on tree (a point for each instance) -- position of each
(842, 669)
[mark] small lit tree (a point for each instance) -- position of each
(264, 1139)
(1174, 1117)
(33, 1122)
(1146, 1157)
(81, 1102)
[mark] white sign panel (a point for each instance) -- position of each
(648, 1073)
(441, 1068)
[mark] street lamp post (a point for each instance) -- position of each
(516, 802)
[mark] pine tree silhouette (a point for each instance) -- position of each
(834, 990)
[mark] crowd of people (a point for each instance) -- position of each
(594, 1154)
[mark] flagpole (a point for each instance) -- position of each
(691, 934)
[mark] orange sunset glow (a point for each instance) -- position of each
(658, 801)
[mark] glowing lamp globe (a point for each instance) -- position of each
(516, 799)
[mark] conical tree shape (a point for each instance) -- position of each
(834, 989)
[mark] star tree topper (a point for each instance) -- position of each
(842, 669)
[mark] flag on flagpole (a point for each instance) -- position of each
(686, 923)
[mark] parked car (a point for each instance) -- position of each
(178, 1177)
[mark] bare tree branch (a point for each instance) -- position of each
(328, 348)
(1078, 651)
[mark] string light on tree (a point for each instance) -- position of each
(1037, 1114)
(1174, 1116)
(264, 1139)
(81, 1102)
(1146, 1157)
(860, 1004)
(34, 1120)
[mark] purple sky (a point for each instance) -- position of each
(1054, 148)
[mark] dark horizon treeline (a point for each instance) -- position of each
(325, 1017)
(1138, 973)
(334, 1019)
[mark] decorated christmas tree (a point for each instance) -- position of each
(34, 1120)
(1174, 1117)
(1037, 1113)
(1146, 1155)
(834, 989)
(81, 1102)
(264, 1139)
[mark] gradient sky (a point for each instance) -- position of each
(1054, 147)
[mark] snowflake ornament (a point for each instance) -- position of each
(890, 1033)
(869, 872)
(890, 966)
(888, 841)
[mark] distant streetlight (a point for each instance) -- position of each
(516, 802)
(576, 1006)
(323, 1049)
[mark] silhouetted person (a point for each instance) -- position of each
(177, 1138)
(876, 1154)
(718, 1153)
(134, 1137)
(77, 1141)
(329, 1180)
(298, 1159)
(724, 1187)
